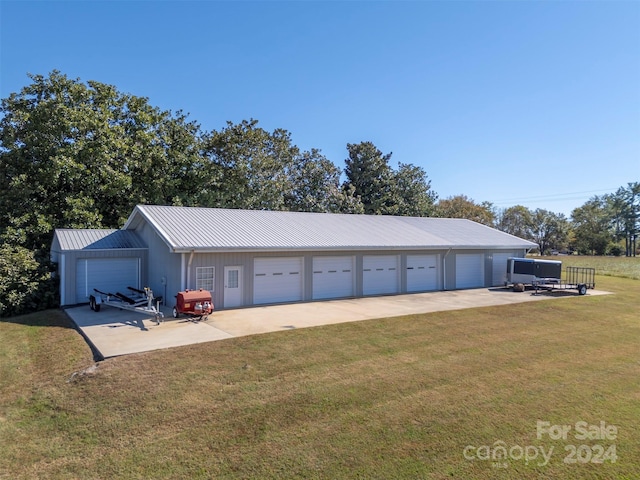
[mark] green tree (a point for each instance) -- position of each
(549, 230)
(413, 193)
(591, 225)
(248, 167)
(383, 191)
(625, 205)
(370, 178)
(82, 155)
(460, 206)
(516, 221)
(25, 284)
(315, 186)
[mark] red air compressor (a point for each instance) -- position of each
(195, 303)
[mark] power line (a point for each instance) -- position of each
(558, 197)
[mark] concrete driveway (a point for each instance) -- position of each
(114, 332)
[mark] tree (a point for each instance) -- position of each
(371, 178)
(625, 207)
(82, 155)
(25, 284)
(592, 226)
(460, 206)
(412, 190)
(383, 191)
(315, 186)
(248, 167)
(550, 230)
(516, 221)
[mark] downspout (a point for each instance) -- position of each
(62, 278)
(189, 267)
(444, 270)
(183, 269)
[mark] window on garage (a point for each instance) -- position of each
(205, 278)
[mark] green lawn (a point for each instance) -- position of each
(407, 397)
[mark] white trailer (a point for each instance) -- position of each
(529, 271)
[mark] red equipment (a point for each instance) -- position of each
(195, 303)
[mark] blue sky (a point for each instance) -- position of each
(512, 102)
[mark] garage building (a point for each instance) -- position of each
(251, 257)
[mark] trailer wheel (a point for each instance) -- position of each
(95, 306)
(175, 312)
(582, 289)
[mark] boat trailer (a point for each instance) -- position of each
(140, 301)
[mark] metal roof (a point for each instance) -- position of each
(216, 229)
(96, 239)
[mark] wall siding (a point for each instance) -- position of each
(162, 264)
(220, 260)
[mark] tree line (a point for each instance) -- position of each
(604, 225)
(79, 154)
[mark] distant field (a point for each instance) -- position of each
(627, 267)
(423, 396)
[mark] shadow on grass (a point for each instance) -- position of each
(57, 318)
(44, 318)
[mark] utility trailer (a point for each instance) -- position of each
(547, 275)
(140, 301)
(577, 278)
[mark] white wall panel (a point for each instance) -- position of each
(277, 279)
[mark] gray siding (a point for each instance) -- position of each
(164, 266)
(220, 260)
(488, 271)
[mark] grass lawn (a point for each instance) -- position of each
(423, 396)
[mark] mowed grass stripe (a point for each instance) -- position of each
(390, 398)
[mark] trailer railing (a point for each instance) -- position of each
(581, 276)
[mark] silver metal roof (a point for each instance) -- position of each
(96, 239)
(215, 229)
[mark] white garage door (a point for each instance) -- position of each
(499, 268)
(110, 275)
(277, 280)
(469, 270)
(333, 277)
(422, 273)
(380, 274)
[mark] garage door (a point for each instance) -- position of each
(277, 280)
(499, 268)
(470, 270)
(422, 273)
(380, 274)
(333, 277)
(109, 275)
